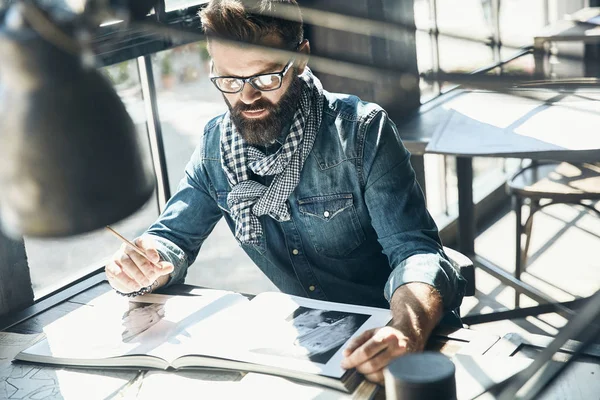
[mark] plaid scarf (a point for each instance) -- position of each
(249, 199)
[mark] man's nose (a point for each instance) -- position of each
(249, 94)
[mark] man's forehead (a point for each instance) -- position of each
(232, 59)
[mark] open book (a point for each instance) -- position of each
(273, 333)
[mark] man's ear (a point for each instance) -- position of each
(304, 50)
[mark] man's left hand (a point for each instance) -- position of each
(416, 309)
(374, 349)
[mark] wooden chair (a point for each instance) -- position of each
(549, 183)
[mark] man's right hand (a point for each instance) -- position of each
(129, 272)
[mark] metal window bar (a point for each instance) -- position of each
(496, 41)
(435, 45)
(154, 126)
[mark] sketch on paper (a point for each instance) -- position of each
(316, 334)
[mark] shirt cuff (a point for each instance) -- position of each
(170, 252)
(431, 269)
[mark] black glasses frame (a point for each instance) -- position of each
(250, 79)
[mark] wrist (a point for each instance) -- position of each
(416, 310)
(162, 281)
(144, 290)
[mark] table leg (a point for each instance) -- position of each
(466, 241)
(466, 209)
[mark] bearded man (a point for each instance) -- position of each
(317, 188)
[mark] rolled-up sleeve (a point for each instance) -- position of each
(405, 229)
(170, 252)
(189, 217)
(433, 270)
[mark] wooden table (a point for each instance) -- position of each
(448, 341)
(38, 382)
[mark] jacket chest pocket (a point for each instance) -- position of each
(332, 224)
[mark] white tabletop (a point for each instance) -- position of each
(532, 123)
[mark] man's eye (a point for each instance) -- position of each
(267, 81)
(229, 82)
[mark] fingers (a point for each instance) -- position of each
(377, 363)
(128, 271)
(363, 354)
(376, 341)
(113, 268)
(150, 266)
(144, 271)
(122, 282)
(376, 352)
(376, 377)
(148, 245)
(358, 341)
(134, 270)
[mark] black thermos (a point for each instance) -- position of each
(420, 376)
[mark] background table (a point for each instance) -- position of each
(538, 124)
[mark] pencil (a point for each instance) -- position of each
(133, 246)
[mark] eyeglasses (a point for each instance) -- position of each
(262, 82)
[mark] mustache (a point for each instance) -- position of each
(257, 105)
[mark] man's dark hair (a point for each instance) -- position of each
(252, 21)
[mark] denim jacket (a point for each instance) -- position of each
(359, 228)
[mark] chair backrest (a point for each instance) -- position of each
(464, 266)
(559, 181)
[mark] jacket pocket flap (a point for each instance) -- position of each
(325, 207)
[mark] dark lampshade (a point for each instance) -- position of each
(70, 161)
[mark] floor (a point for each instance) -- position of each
(562, 263)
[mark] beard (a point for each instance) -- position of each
(263, 131)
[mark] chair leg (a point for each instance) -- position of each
(533, 208)
(517, 205)
(590, 207)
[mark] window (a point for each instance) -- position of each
(521, 20)
(56, 262)
(466, 18)
(458, 55)
(462, 36)
(425, 61)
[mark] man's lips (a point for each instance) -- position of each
(254, 113)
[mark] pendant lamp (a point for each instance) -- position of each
(70, 160)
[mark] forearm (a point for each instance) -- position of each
(416, 310)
